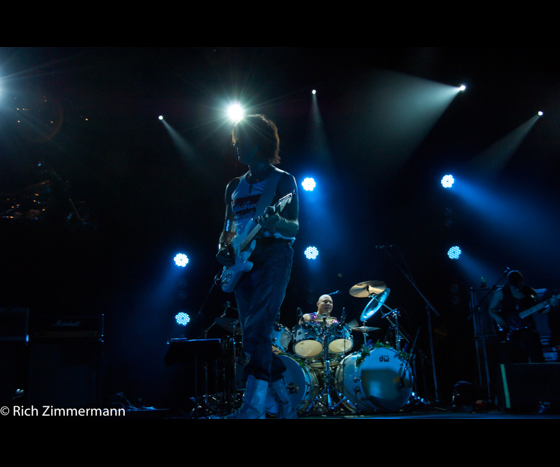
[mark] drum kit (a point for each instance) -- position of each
(326, 374)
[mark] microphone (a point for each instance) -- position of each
(507, 270)
(300, 313)
(383, 247)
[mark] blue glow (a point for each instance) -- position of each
(454, 252)
(308, 184)
(181, 260)
(447, 181)
(311, 252)
(182, 318)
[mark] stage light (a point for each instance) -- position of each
(181, 260)
(454, 252)
(311, 252)
(540, 113)
(447, 181)
(182, 318)
(308, 184)
(462, 87)
(161, 117)
(314, 92)
(235, 112)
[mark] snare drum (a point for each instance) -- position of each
(302, 383)
(381, 382)
(281, 338)
(308, 339)
(341, 339)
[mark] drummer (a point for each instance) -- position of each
(324, 307)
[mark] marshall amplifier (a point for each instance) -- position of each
(66, 362)
(67, 329)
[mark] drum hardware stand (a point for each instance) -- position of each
(328, 389)
(429, 310)
(399, 335)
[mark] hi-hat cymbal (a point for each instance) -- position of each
(365, 329)
(367, 288)
(229, 324)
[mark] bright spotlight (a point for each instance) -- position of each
(181, 260)
(314, 92)
(235, 112)
(454, 252)
(161, 117)
(540, 113)
(308, 184)
(447, 181)
(311, 252)
(462, 87)
(182, 318)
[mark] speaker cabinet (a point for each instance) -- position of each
(66, 362)
(66, 374)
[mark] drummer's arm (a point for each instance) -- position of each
(306, 318)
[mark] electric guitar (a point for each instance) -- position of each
(515, 321)
(243, 246)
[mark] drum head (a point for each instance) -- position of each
(386, 379)
(341, 345)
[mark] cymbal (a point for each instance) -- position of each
(229, 324)
(367, 288)
(374, 304)
(365, 329)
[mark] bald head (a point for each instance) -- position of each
(325, 304)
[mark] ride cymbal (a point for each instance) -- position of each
(367, 288)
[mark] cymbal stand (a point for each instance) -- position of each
(395, 326)
(328, 388)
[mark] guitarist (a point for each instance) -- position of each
(523, 343)
(260, 291)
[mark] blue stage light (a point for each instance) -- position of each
(181, 260)
(447, 181)
(454, 252)
(308, 184)
(311, 252)
(182, 318)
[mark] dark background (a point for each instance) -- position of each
(375, 137)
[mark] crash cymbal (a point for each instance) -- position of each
(367, 288)
(365, 329)
(374, 304)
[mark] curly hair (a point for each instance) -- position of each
(260, 131)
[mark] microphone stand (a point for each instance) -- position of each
(475, 314)
(429, 310)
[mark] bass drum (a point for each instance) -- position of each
(302, 382)
(381, 382)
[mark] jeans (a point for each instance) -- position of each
(259, 295)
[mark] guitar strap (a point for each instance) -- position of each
(268, 192)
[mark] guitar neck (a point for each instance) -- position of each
(249, 238)
(537, 307)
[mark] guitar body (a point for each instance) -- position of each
(232, 274)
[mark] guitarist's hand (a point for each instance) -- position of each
(226, 256)
(269, 220)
